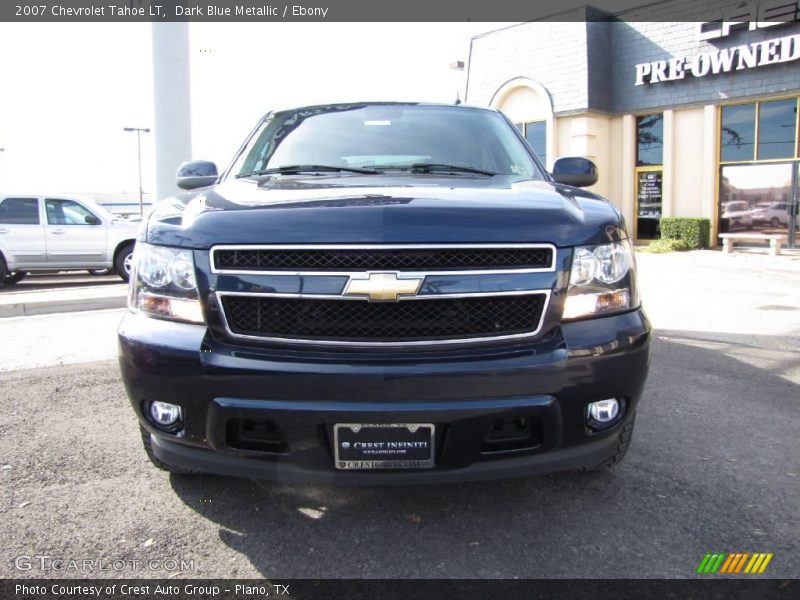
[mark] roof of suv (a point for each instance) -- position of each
(379, 103)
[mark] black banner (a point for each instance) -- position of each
(718, 588)
(400, 11)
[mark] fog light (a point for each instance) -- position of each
(165, 414)
(604, 411)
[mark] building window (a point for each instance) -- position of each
(649, 140)
(777, 125)
(536, 134)
(649, 175)
(737, 140)
(773, 122)
(759, 168)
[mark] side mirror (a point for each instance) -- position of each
(196, 174)
(575, 170)
(92, 220)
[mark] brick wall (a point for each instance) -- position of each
(591, 65)
(633, 43)
(553, 54)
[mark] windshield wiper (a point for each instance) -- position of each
(437, 167)
(291, 169)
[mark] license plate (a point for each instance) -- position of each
(383, 446)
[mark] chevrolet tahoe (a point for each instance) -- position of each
(384, 293)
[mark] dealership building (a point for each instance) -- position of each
(685, 119)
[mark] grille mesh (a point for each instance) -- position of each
(422, 259)
(358, 320)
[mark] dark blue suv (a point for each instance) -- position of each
(384, 293)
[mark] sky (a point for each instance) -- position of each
(69, 90)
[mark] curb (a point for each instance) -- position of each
(45, 307)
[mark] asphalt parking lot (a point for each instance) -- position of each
(714, 466)
(63, 280)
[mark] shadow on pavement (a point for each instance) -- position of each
(34, 283)
(713, 467)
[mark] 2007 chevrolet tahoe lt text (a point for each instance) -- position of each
(384, 292)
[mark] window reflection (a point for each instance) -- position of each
(649, 140)
(535, 133)
(738, 133)
(777, 122)
(755, 198)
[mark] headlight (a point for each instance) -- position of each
(600, 281)
(163, 284)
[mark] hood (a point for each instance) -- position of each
(383, 209)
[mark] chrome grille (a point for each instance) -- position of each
(296, 293)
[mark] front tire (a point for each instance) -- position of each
(14, 277)
(123, 262)
(3, 269)
(148, 448)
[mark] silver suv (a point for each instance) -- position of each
(40, 233)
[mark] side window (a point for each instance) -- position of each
(67, 212)
(19, 211)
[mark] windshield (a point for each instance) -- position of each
(99, 210)
(390, 137)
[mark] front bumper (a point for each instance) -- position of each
(463, 392)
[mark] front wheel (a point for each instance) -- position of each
(124, 262)
(14, 277)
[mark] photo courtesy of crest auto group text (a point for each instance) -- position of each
(360, 300)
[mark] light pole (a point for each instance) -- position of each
(139, 131)
(2, 171)
(458, 65)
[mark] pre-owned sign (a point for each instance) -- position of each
(747, 56)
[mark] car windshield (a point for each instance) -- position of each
(100, 211)
(736, 206)
(389, 137)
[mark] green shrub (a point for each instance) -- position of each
(660, 246)
(691, 230)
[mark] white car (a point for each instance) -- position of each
(774, 213)
(43, 233)
(738, 214)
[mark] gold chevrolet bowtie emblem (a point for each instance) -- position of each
(383, 286)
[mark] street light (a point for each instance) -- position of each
(139, 131)
(2, 150)
(458, 65)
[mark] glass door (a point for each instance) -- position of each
(794, 224)
(649, 192)
(649, 176)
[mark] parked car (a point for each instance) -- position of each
(774, 213)
(737, 212)
(385, 293)
(43, 233)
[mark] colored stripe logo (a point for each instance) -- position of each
(734, 562)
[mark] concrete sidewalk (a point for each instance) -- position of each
(20, 304)
(755, 258)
